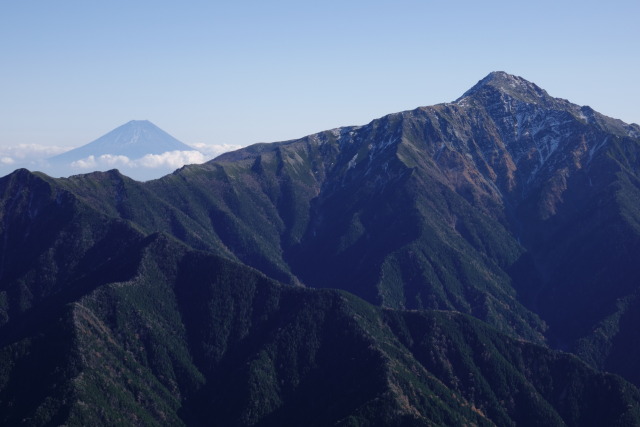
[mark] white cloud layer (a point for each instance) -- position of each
(107, 160)
(150, 166)
(172, 159)
(214, 150)
(29, 152)
(167, 160)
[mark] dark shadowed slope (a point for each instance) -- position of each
(474, 232)
(505, 199)
(157, 333)
(507, 196)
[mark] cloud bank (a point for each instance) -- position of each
(214, 150)
(149, 166)
(29, 153)
(168, 160)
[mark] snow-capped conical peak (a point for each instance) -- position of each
(134, 139)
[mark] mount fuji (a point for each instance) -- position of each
(134, 139)
(139, 146)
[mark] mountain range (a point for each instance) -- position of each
(472, 262)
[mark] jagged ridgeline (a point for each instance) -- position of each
(423, 269)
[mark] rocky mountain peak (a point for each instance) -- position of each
(500, 84)
(511, 207)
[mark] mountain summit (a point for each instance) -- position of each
(514, 86)
(134, 139)
(139, 148)
(508, 204)
(478, 237)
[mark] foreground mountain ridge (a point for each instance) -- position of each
(507, 205)
(157, 333)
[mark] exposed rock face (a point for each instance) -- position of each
(527, 191)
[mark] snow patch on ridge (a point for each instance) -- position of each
(593, 150)
(352, 162)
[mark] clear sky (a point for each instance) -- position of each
(241, 72)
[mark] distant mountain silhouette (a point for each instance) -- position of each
(134, 139)
(139, 148)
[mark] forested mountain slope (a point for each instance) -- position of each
(412, 271)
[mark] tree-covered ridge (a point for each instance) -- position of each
(412, 271)
(187, 337)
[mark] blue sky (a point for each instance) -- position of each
(242, 72)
